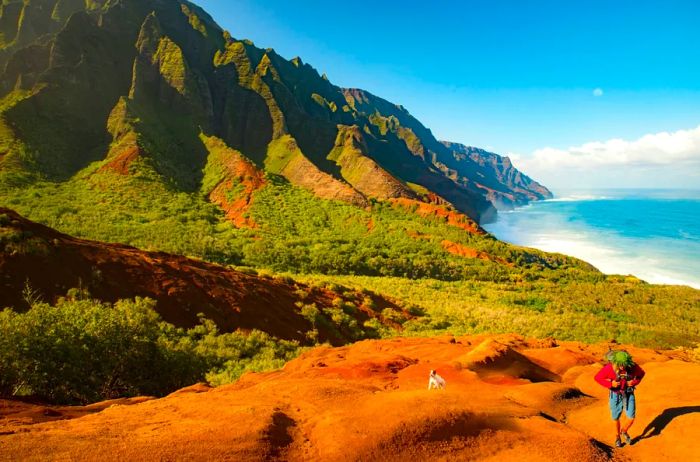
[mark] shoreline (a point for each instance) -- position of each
(559, 225)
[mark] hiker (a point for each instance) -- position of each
(621, 375)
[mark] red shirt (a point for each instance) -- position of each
(608, 373)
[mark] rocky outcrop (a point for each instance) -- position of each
(363, 173)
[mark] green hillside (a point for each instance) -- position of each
(143, 122)
(113, 81)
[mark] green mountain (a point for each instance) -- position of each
(273, 200)
(144, 123)
(156, 87)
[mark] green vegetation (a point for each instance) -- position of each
(302, 234)
(590, 309)
(82, 350)
(137, 210)
(194, 20)
(172, 64)
(196, 96)
(536, 294)
(280, 152)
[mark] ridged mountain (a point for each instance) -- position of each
(505, 185)
(158, 86)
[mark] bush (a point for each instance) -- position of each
(394, 315)
(82, 350)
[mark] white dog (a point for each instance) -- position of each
(435, 381)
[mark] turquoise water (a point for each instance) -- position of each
(652, 234)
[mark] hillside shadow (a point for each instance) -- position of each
(660, 422)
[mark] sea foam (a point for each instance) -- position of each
(654, 239)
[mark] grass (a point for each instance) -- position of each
(136, 210)
(385, 249)
(624, 309)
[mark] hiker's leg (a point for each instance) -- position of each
(616, 405)
(630, 410)
(629, 424)
(616, 411)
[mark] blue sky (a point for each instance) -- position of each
(516, 77)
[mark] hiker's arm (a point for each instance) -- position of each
(603, 379)
(638, 376)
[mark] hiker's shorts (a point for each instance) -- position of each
(622, 400)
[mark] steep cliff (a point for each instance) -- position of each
(130, 86)
(504, 185)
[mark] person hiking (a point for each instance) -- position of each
(621, 375)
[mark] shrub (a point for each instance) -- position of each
(368, 302)
(394, 315)
(83, 350)
(311, 313)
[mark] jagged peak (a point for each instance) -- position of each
(63, 9)
(266, 66)
(369, 104)
(193, 19)
(468, 150)
(149, 35)
(351, 135)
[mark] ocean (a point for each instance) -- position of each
(651, 234)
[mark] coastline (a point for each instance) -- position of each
(659, 245)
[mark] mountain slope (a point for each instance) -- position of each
(137, 85)
(48, 264)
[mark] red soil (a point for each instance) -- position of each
(441, 212)
(302, 172)
(506, 399)
(468, 252)
(53, 263)
(239, 171)
(121, 162)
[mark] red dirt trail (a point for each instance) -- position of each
(507, 399)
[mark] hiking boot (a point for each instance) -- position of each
(627, 438)
(618, 443)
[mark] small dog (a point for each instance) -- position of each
(435, 381)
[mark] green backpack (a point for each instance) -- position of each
(622, 356)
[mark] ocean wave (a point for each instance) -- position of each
(577, 198)
(688, 236)
(611, 254)
(613, 259)
(657, 278)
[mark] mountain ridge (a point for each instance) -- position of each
(173, 75)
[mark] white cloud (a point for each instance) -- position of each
(652, 159)
(598, 92)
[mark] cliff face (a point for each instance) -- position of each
(504, 185)
(140, 84)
